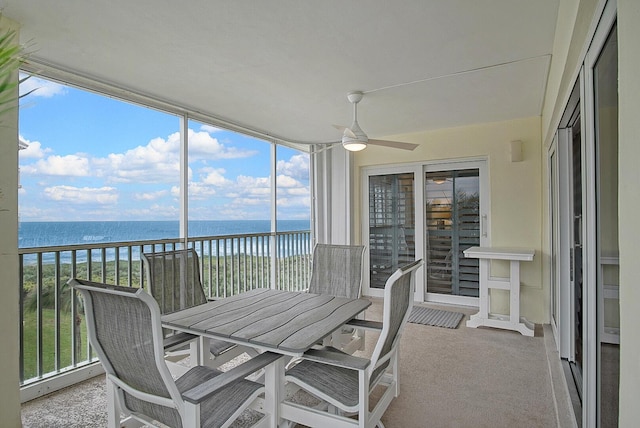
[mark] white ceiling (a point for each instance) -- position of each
(284, 67)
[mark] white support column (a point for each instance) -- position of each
(274, 218)
(332, 196)
(184, 180)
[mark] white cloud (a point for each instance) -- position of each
(155, 211)
(246, 189)
(284, 181)
(199, 191)
(82, 195)
(297, 166)
(203, 146)
(157, 162)
(298, 191)
(70, 166)
(41, 87)
(215, 177)
(244, 202)
(34, 150)
(210, 129)
(294, 202)
(149, 196)
(246, 181)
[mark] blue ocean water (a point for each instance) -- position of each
(45, 234)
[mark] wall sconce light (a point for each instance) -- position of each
(516, 151)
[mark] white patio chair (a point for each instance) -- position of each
(345, 381)
(173, 279)
(125, 330)
(337, 270)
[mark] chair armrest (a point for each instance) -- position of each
(177, 339)
(365, 324)
(201, 392)
(335, 357)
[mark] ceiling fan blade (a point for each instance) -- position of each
(394, 144)
(346, 130)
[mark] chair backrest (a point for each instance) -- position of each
(337, 270)
(398, 302)
(173, 279)
(124, 328)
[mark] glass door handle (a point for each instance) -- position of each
(484, 225)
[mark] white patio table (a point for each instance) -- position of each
(284, 322)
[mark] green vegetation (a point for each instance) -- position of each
(30, 343)
(12, 56)
(237, 274)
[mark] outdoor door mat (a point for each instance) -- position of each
(435, 317)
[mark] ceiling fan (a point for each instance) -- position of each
(354, 139)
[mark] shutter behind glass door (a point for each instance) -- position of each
(453, 225)
(391, 225)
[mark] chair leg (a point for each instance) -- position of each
(113, 406)
(396, 374)
(274, 391)
(191, 415)
(363, 405)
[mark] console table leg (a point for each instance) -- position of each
(514, 303)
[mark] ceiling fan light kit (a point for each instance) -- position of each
(354, 146)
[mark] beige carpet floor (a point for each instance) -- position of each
(460, 377)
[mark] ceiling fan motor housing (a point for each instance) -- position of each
(354, 97)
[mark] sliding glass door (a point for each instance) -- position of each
(391, 225)
(584, 238)
(605, 130)
(456, 218)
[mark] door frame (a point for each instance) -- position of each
(419, 169)
(559, 213)
(591, 378)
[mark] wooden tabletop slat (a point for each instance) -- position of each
(188, 317)
(310, 334)
(241, 323)
(278, 320)
(289, 321)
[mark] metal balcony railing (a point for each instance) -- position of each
(53, 336)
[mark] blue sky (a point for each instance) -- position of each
(92, 157)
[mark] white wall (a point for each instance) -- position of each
(628, 208)
(516, 212)
(9, 334)
(574, 20)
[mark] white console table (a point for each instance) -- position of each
(484, 317)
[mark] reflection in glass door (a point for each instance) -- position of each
(391, 225)
(453, 225)
(605, 82)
